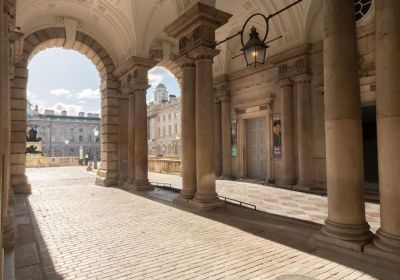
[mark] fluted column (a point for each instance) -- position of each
(288, 172)
(226, 137)
(388, 124)
(131, 141)
(188, 128)
(304, 132)
(218, 137)
(346, 224)
(141, 181)
(206, 195)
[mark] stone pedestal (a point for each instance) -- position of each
(287, 123)
(387, 239)
(346, 225)
(304, 132)
(226, 137)
(131, 142)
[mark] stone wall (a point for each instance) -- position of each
(165, 165)
(41, 161)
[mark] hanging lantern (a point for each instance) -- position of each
(255, 49)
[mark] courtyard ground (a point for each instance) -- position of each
(71, 229)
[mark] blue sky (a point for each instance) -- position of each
(62, 79)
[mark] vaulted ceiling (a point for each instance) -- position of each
(134, 27)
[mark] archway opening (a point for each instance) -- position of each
(164, 114)
(63, 109)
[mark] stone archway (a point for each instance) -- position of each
(83, 43)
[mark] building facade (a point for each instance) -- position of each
(164, 124)
(63, 135)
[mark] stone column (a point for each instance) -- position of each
(218, 137)
(8, 225)
(206, 195)
(388, 126)
(288, 176)
(3, 75)
(346, 225)
(226, 137)
(141, 182)
(304, 132)
(131, 141)
(188, 129)
(195, 30)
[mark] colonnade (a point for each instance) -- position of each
(134, 82)
(346, 224)
(195, 30)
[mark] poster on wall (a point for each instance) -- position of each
(234, 138)
(277, 135)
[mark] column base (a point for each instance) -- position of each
(353, 237)
(206, 206)
(285, 182)
(142, 185)
(385, 246)
(106, 178)
(22, 188)
(104, 182)
(9, 232)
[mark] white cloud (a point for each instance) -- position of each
(157, 75)
(60, 92)
(31, 95)
(89, 94)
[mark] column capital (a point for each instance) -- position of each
(132, 74)
(185, 62)
(225, 98)
(203, 52)
(196, 27)
(304, 78)
(285, 83)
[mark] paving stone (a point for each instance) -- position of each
(26, 255)
(90, 232)
(30, 272)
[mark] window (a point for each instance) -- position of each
(159, 132)
(169, 117)
(361, 8)
(80, 138)
(90, 138)
(81, 130)
(164, 118)
(176, 129)
(169, 130)
(163, 129)
(97, 139)
(176, 116)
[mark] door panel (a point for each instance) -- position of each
(256, 147)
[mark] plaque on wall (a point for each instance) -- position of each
(234, 148)
(277, 135)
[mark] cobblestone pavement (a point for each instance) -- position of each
(282, 202)
(90, 232)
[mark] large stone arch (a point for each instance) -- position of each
(83, 43)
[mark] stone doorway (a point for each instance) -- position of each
(256, 139)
